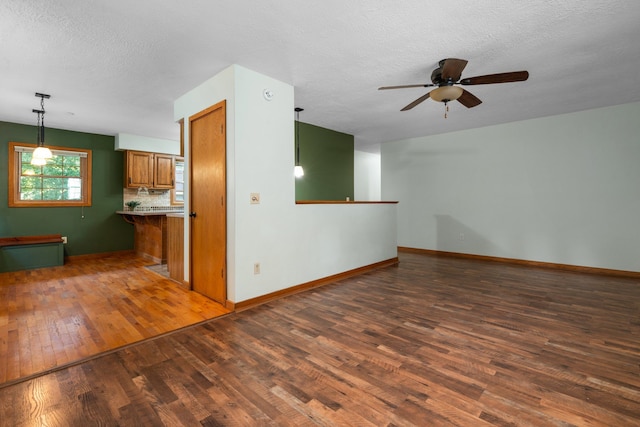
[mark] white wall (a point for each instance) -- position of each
(366, 176)
(562, 189)
(127, 141)
(293, 243)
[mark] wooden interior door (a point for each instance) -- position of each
(207, 212)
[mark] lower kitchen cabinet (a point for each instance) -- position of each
(175, 247)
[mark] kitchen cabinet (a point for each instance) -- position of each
(149, 234)
(175, 246)
(150, 170)
(151, 238)
(138, 169)
(163, 171)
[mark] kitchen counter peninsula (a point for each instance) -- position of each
(150, 231)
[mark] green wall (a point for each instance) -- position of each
(327, 159)
(101, 230)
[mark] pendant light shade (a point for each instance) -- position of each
(298, 172)
(38, 161)
(42, 152)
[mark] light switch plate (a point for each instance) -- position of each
(254, 198)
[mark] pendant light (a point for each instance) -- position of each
(41, 153)
(298, 172)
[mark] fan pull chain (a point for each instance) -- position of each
(446, 109)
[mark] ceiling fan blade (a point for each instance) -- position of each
(514, 76)
(452, 68)
(416, 102)
(405, 86)
(468, 99)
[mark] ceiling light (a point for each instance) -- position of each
(446, 93)
(38, 161)
(298, 172)
(41, 153)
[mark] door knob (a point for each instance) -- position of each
(192, 214)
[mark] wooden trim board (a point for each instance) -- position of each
(252, 302)
(541, 264)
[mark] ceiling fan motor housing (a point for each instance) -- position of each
(436, 76)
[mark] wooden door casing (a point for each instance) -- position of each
(208, 219)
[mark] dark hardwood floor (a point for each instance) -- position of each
(434, 341)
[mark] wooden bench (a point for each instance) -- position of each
(26, 252)
(30, 240)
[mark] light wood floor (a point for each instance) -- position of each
(431, 342)
(51, 317)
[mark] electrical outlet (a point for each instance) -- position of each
(64, 240)
(256, 268)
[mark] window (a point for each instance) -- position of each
(64, 181)
(177, 194)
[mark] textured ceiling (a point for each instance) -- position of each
(115, 66)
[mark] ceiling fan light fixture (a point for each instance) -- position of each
(446, 93)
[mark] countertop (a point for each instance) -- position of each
(151, 213)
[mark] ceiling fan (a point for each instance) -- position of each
(447, 76)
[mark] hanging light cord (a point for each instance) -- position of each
(298, 109)
(40, 127)
(38, 139)
(40, 112)
(41, 116)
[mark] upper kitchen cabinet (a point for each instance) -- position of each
(138, 169)
(150, 170)
(163, 171)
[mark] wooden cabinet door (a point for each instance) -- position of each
(175, 248)
(139, 169)
(164, 167)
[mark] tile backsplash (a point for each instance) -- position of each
(148, 198)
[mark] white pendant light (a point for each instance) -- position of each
(38, 161)
(41, 153)
(298, 172)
